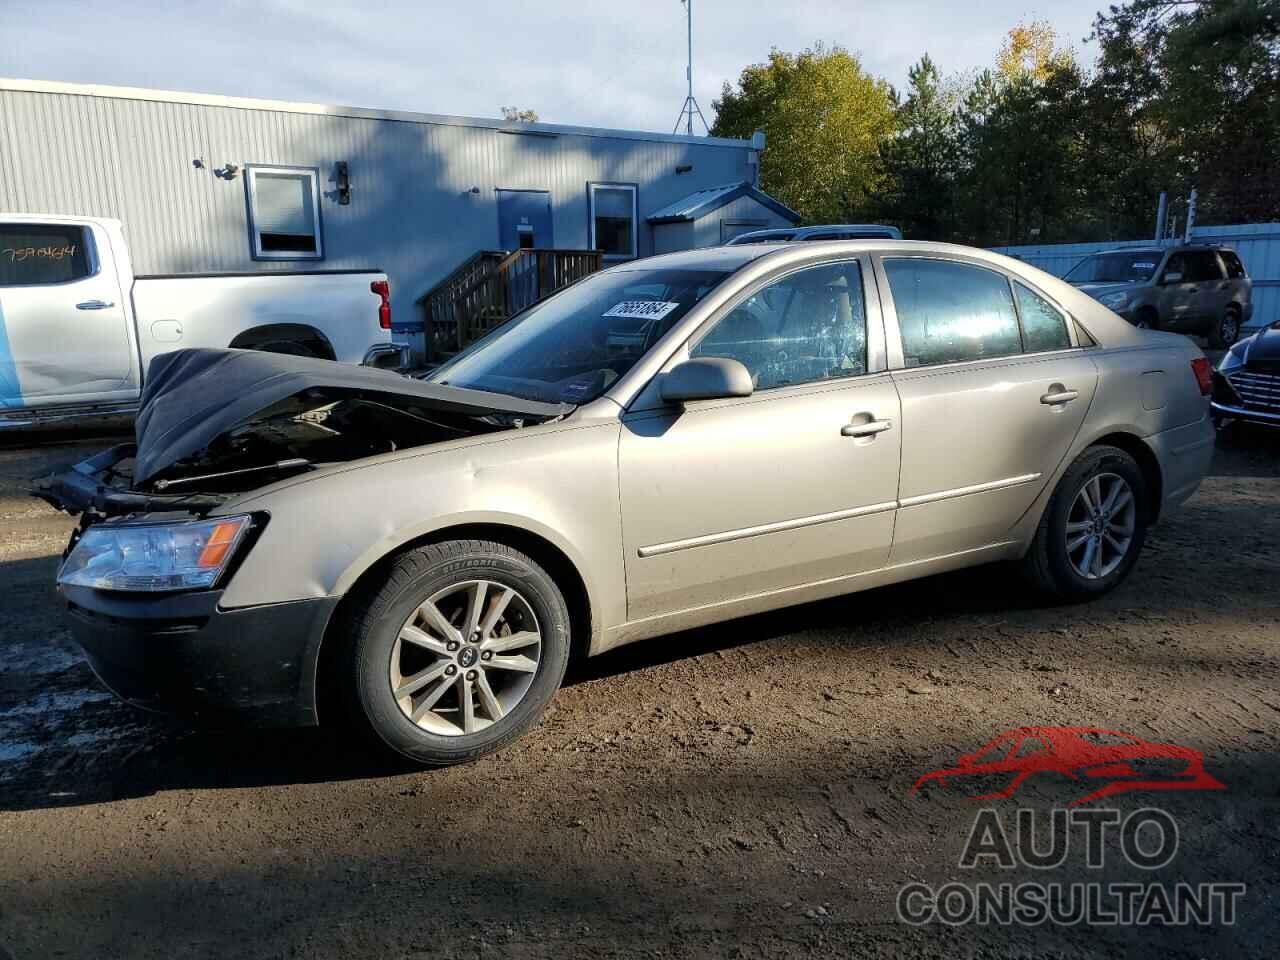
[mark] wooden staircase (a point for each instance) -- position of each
(491, 287)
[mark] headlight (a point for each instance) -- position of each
(1234, 357)
(161, 556)
(1114, 300)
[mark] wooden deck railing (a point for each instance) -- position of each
(492, 286)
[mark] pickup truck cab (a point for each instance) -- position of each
(78, 329)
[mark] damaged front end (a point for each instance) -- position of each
(213, 424)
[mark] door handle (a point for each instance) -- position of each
(1058, 395)
(867, 429)
(94, 305)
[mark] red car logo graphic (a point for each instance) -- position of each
(1086, 754)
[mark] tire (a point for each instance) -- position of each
(1050, 567)
(444, 733)
(1225, 330)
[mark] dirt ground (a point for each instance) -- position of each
(740, 791)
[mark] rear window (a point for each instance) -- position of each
(1235, 269)
(37, 253)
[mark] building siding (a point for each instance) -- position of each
(412, 212)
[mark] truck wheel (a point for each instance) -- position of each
(458, 652)
(1093, 529)
(1226, 331)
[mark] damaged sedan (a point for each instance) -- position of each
(665, 444)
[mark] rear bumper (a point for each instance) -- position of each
(181, 653)
(388, 356)
(1185, 454)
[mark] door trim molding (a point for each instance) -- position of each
(965, 491)
(743, 533)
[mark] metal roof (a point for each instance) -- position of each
(363, 113)
(702, 202)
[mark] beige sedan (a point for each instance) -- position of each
(668, 443)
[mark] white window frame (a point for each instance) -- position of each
(255, 238)
(592, 187)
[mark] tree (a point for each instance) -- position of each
(825, 121)
(920, 161)
(516, 115)
(1031, 52)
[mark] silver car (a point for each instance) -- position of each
(668, 443)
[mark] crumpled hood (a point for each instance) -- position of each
(194, 400)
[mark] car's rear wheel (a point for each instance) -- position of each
(1226, 331)
(1093, 529)
(459, 651)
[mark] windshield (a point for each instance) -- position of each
(1115, 267)
(570, 348)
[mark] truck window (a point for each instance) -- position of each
(1235, 269)
(1202, 266)
(39, 253)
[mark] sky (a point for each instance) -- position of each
(607, 64)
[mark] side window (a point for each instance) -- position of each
(1043, 327)
(38, 253)
(284, 213)
(1203, 266)
(808, 326)
(1235, 269)
(949, 312)
(1176, 264)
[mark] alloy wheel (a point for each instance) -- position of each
(465, 658)
(1229, 329)
(1101, 525)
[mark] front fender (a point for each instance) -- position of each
(558, 482)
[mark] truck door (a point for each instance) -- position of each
(63, 333)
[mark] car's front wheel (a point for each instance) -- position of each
(1093, 529)
(459, 651)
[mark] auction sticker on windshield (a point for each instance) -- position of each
(644, 309)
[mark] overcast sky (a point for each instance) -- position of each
(607, 64)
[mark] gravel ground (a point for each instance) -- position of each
(739, 791)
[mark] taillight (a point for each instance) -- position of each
(1203, 370)
(383, 289)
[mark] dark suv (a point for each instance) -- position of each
(1192, 289)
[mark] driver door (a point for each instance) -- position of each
(728, 499)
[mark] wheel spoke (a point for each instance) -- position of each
(496, 609)
(439, 622)
(487, 699)
(1117, 486)
(1122, 501)
(468, 705)
(1086, 563)
(512, 642)
(1097, 560)
(1116, 545)
(431, 699)
(1077, 543)
(475, 606)
(520, 664)
(420, 679)
(411, 634)
(1078, 526)
(1096, 492)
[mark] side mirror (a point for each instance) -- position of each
(1174, 277)
(705, 378)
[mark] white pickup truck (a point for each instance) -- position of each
(78, 329)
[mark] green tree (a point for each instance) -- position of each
(825, 120)
(920, 161)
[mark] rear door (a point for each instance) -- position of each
(1213, 293)
(63, 325)
(993, 393)
(1178, 294)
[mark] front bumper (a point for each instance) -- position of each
(181, 653)
(1228, 411)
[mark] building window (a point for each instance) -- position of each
(613, 219)
(284, 213)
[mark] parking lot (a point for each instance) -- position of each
(742, 790)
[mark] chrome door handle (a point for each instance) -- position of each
(868, 429)
(1059, 396)
(94, 305)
